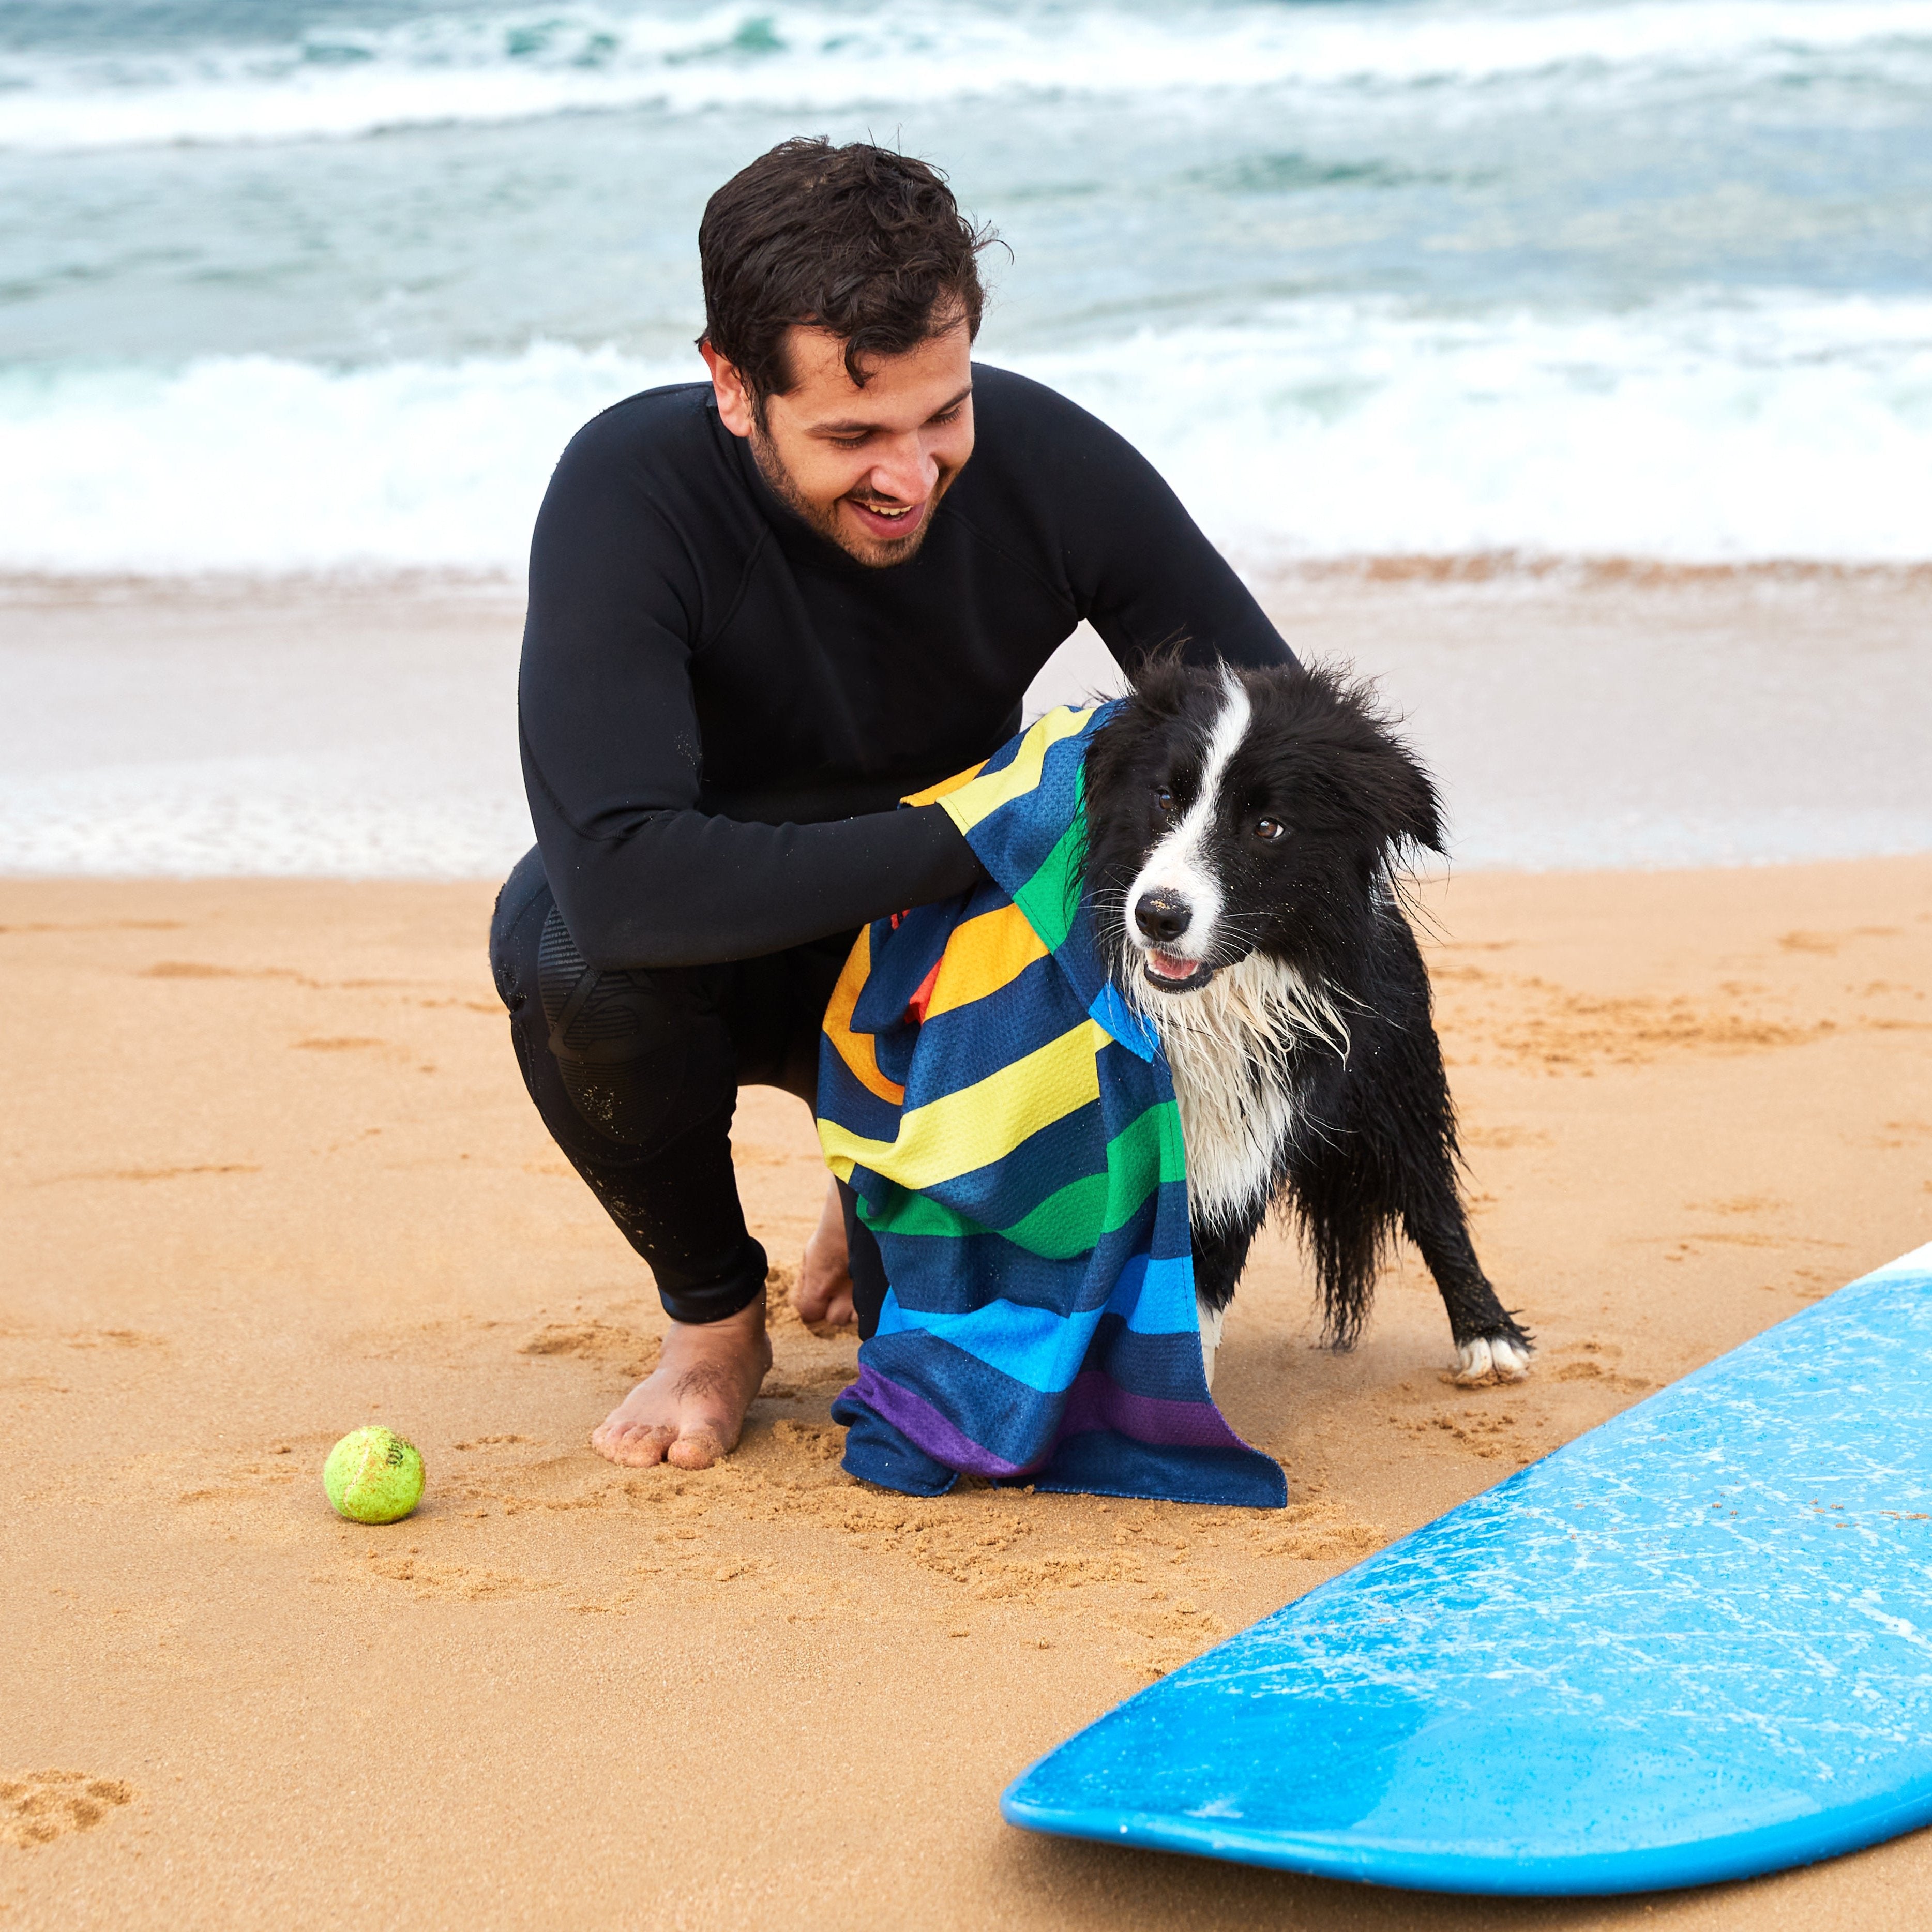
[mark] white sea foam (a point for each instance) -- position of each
(523, 63)
(370, 816)
(1795, 428)
(254, 463)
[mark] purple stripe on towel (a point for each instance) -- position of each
(922, 1424)
(1093, 1402)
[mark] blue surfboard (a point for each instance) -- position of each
(1694, 1644)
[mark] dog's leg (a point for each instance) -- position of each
(1401, 1104)
(1489, 1340)
(1220, 1256)
(1212, 1321)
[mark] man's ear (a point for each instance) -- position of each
(734, 400)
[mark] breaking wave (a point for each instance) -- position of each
(517, 64)
(1794, 428)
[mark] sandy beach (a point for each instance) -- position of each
(270, 1173)
(1560, 366)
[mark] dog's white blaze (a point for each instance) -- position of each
(1180, 864)
(1228, 1043)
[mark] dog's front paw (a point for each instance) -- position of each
(1492, 1358)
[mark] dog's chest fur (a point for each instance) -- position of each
(1230, 1048)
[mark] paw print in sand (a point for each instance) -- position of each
(45, 1805)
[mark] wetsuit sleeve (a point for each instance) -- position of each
(1144, 574)
(610, 743)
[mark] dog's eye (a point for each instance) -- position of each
(1163, 801)
(1270, 830)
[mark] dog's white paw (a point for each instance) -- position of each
(1212, 1320)
(1491, 1358)
(1510, 1360)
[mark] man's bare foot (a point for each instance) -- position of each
(690, 1409)
(822, 1292)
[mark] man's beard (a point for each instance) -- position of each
(877, 552)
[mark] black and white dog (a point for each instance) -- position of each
(1243, 832)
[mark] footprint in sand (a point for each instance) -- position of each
(113, 1338)
(45, 1805)
(1506, 1136)
(603, 1342)
(1587, 1371)
(428, 1579)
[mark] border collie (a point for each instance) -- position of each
(1244, 830)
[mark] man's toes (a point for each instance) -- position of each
(822, 1293)
(637, 1445)
(698, 1448)
(810, 1297)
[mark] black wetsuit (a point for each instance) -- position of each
(720, 709)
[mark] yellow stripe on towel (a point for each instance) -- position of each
(980, 1124)
(985, 796)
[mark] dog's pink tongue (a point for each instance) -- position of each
(1169, 968)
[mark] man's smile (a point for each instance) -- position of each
(881, 517)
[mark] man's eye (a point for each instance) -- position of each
(1270, 830)
(1163, 801)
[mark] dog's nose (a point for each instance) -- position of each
(1162, 916)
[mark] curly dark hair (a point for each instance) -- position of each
(859, 240)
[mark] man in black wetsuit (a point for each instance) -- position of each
(762, 609)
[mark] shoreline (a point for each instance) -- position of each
(1575, 718)
(1580, 569)
(274, 1175)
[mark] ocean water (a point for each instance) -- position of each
(315, 291)
(295, 285)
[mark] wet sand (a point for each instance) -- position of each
(269, 1173)
(1605, 716)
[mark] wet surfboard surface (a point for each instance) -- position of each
(1694, 1644)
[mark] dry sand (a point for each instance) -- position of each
(270, 1173)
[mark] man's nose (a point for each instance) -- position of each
(1162, 915)
(907, 473)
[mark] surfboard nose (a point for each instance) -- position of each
(1660, 1657)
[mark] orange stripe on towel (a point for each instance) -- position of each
(856, 1048)
(983, 955)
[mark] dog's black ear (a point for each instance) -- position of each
(1162, 679)
(1386, 776)
(1412, 813)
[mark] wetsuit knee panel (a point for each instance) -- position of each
(640, 1054)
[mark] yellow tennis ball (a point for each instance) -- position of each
(373, 1475)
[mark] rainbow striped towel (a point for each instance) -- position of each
(1009, 1128)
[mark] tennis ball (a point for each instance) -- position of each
(373, 1476)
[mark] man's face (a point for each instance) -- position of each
(864, 467)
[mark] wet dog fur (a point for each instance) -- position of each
(1246, 832)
